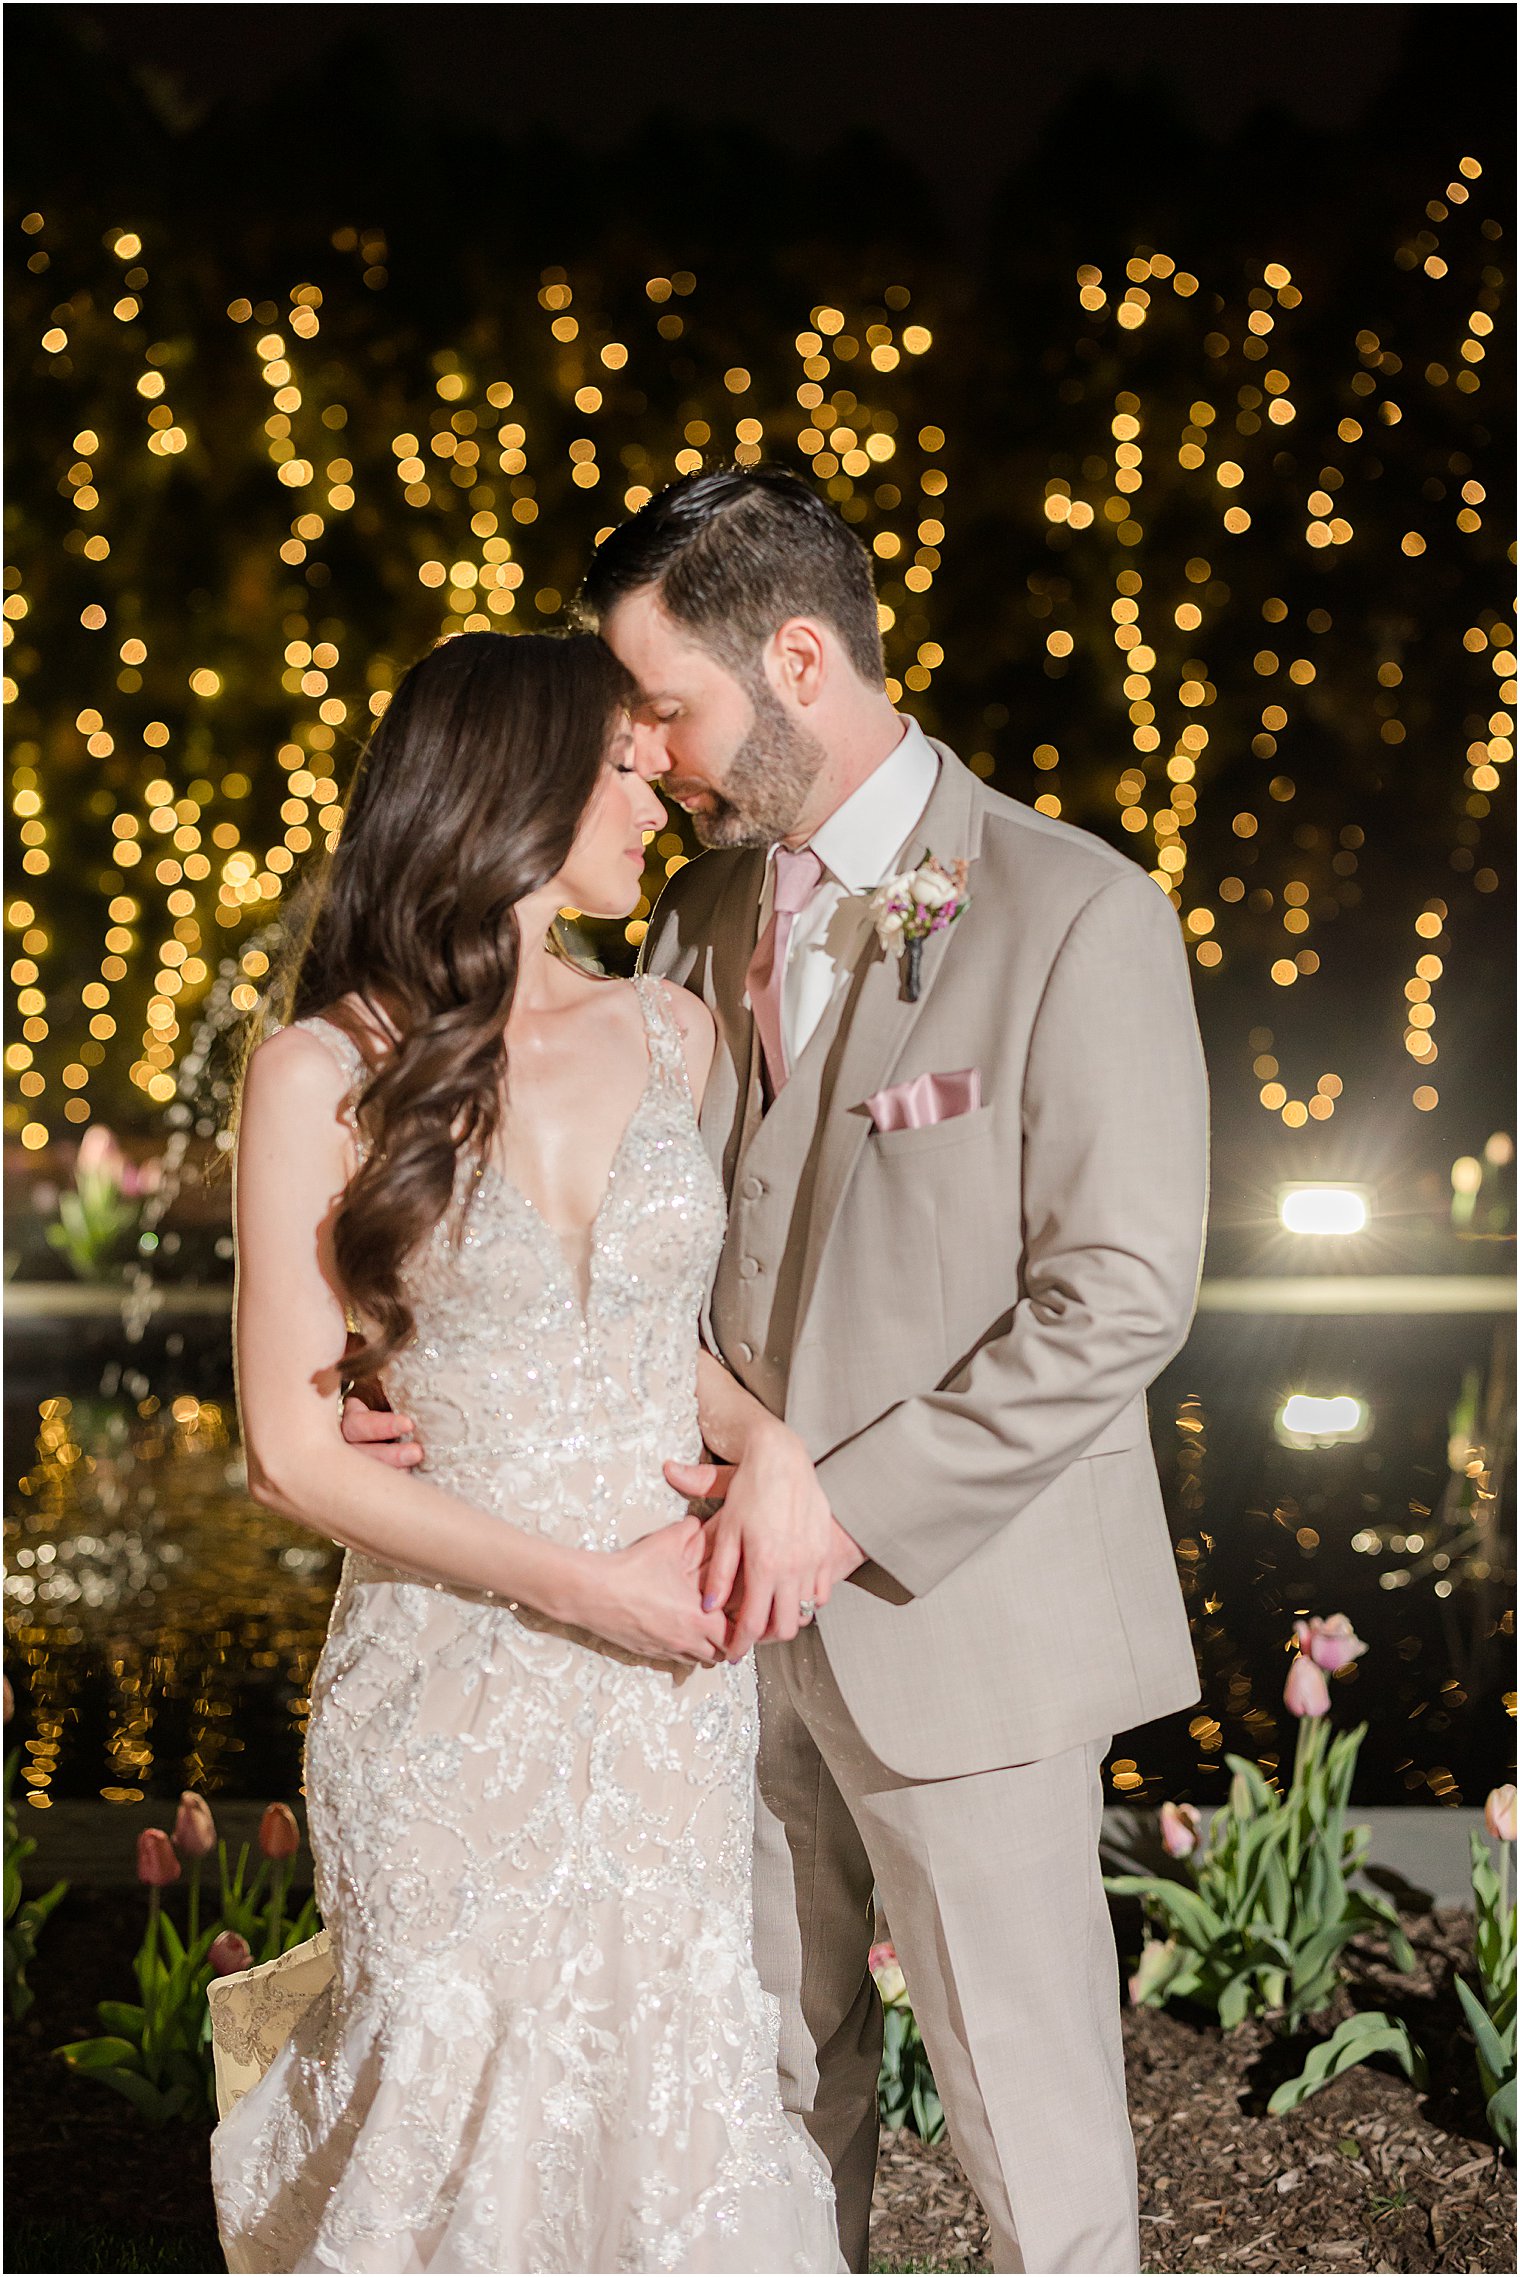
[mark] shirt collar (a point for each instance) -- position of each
(862, 838)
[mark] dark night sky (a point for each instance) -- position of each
(962, 91)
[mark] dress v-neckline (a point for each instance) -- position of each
(560, 1238)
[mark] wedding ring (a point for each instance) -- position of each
(806, 1609)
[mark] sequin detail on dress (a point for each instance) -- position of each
(537, 2040)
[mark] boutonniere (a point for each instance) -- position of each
(916, 903)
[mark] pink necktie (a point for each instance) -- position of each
(797, 877)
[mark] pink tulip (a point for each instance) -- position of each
(1306, 1693)
(10, 1700)
(887, 1970)
(156, 1862)
(1331, 1644)
(229, 1953)
(279, 1834)
(1499, 1814)
(1179, 1829)
(194, 1827)
(99, 1155)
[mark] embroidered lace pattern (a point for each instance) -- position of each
(535, 2039)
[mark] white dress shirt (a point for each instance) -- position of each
(858, 847)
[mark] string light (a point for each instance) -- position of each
(244, 739)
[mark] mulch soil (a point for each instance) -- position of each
(1370, 2174)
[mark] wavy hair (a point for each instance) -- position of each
(467, 797)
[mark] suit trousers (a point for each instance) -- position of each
(991, 1885)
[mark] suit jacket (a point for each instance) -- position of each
(960, 1320)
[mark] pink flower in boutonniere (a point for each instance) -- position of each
(914, 905)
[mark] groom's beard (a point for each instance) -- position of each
(769, 777)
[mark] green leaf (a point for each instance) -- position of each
(99, 2055)
(154, 2105)
(1358, 2038)
(1493, 2054)
(1501, 2113)
(1374, 1909)
(36, 1910)
(123, 2017)
(1235, 2000)
(1188, 1912)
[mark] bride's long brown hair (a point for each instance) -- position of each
(467, 797)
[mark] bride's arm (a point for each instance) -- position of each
(294, 1157)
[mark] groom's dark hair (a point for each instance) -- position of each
(733, 554)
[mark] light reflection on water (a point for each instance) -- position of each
(161, 1627)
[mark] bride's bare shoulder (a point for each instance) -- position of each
(319, 1059)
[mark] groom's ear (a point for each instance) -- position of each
(798, 659)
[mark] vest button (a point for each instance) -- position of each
(748, 1268)
(752, 1189)
(746, 1352)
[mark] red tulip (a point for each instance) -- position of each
(279, 1834)
(1499, 1814)
(194, 1827)
(1331, 1644)
(229, 1953)
(1179, 1829)
(156, 1862)
(1306, 1693)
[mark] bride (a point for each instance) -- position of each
(531, 2036)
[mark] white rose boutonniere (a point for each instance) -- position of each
(916, 903)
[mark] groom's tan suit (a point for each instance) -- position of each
(960, 1320)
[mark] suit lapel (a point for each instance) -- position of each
(878, 1019)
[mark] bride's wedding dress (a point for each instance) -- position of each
(531, 2035)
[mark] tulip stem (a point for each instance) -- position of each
(195, 1900)
(277, 1910)
(150, 1947)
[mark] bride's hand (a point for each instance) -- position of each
(648, 1597)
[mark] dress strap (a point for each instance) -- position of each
(340, 1043)
(346, 1052)
(667, 1051)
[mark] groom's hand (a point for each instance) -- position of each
(380, 1432)
(774, 1543)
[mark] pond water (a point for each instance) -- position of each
(162, 1629)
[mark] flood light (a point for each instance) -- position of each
(1323, 1209)
(1306, 1419)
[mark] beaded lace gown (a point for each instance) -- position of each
(530, 2035)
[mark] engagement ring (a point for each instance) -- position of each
(807, 1609)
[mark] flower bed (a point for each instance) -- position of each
(1223, 2186)
(1369, 2174)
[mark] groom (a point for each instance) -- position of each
(964, 1237)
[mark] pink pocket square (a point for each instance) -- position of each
(926, 1099)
